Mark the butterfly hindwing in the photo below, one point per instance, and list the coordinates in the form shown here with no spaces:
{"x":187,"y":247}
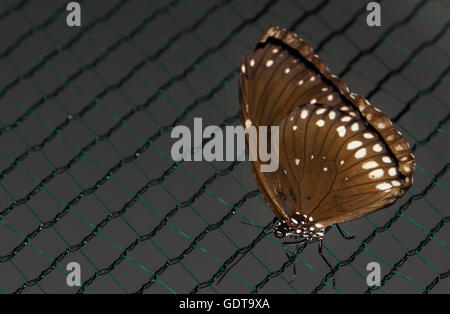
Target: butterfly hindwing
{"x":342,"y":167}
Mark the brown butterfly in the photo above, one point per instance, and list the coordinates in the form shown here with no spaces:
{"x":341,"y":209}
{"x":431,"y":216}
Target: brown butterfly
{"x":340,"y":157}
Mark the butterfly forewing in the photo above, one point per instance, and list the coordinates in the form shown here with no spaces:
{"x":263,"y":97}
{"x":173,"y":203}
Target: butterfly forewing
{"x":340,"y":157}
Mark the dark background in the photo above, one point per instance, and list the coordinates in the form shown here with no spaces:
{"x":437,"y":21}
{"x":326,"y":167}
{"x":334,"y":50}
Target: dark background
{"x":160,"y":63}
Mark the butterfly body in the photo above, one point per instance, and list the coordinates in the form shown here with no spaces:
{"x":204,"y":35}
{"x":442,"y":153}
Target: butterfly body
{"x":340,"y":157}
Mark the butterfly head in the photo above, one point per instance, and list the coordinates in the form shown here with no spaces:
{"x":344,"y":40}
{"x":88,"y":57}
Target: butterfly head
{"x":280,"y":230}
{"x":302,"y":228}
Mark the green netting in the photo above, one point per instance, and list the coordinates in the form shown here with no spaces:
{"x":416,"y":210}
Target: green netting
{"x":86,"y":173}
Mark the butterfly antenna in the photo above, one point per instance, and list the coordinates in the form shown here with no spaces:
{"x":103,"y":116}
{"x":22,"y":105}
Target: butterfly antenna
{"x":291,"y":257}
{"x":257,"y":226}
{"x":252,"y":225}
{"x":234,"y":264}
{"x":326,"y":261}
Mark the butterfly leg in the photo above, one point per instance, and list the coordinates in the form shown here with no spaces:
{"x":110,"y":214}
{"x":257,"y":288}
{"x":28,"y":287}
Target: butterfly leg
{"x":326,"y":261}
{"x":291,"y":258}
{"x":346,"y":237}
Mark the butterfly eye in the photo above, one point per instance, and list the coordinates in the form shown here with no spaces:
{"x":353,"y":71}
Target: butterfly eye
{"x":279,"y":234}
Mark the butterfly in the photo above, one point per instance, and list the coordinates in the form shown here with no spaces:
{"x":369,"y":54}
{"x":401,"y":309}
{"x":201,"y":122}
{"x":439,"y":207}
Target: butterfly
{"x":340,"y":157}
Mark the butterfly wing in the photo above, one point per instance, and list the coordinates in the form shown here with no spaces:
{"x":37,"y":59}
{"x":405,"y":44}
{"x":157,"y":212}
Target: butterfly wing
{"x":340,"y":167}
{"x":276,"y":78}
{"x":283,"y":82}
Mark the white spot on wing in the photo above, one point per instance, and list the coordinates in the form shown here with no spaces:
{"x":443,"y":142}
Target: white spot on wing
{"x":354,"y":144}
{"x":384,"y":186}
{"x":362,"y":152}
{"x":370,"y":164}
{"x":377,"y":148}
{"x":381,"y":125}
{"x":304,"y":114}
{"x":392,"y":172}
{"x":341,"y":130}
{"x":321,"y":110}
{"x":376,"y":174}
